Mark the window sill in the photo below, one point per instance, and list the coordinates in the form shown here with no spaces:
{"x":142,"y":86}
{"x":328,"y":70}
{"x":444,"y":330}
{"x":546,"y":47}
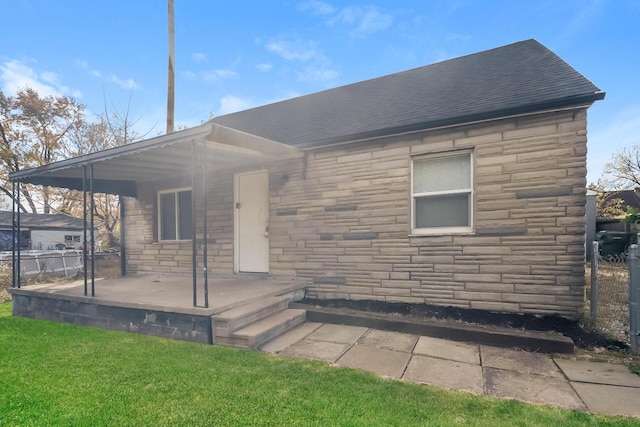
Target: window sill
{"x":448,"y":232}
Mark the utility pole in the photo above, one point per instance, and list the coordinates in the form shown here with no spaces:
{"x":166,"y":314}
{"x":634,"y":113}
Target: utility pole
{"x":171,"y":77}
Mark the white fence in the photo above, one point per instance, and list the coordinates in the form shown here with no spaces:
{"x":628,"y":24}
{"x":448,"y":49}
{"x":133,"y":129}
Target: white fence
{"x":57,"y":263}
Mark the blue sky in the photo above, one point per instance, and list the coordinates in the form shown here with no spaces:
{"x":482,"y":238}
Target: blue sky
{"x":235,"y":55}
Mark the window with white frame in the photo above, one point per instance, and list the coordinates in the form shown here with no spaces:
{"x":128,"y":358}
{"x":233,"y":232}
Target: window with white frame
{"x":442,"y":193}
{"x":175,"y":221}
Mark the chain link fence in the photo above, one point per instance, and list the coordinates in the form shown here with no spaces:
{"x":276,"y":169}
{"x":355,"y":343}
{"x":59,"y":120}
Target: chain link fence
{"x":55,"y":263}
{"x":609,"y":296}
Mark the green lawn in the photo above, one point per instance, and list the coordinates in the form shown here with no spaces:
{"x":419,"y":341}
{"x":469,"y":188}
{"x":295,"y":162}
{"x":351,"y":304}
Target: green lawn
{"x":58,"y":374}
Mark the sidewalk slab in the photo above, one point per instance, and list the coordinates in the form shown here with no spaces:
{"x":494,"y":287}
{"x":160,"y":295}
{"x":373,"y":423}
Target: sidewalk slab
{"x":316,"y":350}
{"x":289,"y":338}
{"x":338,"y":333}
{"x":386,"y":363}
{"x":445,"y":373}
{"x":531,"y":388}
{"x":609,"y":399}
{"x":520,"y":361}
{"x":451,"y":350}
{"x":598,"y":372}
{"x":388,"y":340}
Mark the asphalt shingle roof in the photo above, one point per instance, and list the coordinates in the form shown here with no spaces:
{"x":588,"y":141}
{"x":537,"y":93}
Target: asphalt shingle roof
{"x":41,"y":221}
{"x":518,"y":78}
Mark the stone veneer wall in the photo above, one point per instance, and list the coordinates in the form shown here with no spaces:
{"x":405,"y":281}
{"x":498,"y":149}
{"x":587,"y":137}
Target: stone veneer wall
{"x":147,"y":256}
{"x":346,"y":224}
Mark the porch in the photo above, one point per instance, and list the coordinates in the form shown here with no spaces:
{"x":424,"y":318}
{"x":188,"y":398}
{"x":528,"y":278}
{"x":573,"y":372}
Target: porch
{"x":244,"y":310}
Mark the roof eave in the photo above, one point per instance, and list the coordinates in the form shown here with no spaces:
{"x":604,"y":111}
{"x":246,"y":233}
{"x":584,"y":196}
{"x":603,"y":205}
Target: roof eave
{"x":573,"y":102}
{"x":198,"y":132}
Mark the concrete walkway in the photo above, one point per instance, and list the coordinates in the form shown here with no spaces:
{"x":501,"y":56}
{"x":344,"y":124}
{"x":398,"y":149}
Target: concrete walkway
{"x":504,"y":373}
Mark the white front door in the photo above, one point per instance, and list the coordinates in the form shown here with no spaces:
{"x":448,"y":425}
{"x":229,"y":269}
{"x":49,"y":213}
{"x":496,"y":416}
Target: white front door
{"x":252,"y":222}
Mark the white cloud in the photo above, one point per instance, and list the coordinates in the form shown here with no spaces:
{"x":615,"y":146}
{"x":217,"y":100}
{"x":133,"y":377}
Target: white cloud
{"x":189,"y":74}
{"x":49,"y":77}
{"x":218,"y":74}
{"x":293,"y":49}
{"x":231,"y":104}
{"x":198,"y":57}
{"x":318,"y":66}
{"x":441,"y":55}
{"x":360,"y":21}
{"x":264,"y":67}
{"x":363,"y":20}
{"x":16,"y":75}
{"x":317,"y":7}
{"x":81,"y":63}
{"x":128,"y":84}
{"x":318,"y":74}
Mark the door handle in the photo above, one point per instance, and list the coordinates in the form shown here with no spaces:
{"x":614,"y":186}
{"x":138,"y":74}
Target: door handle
{"x":266,"y":231}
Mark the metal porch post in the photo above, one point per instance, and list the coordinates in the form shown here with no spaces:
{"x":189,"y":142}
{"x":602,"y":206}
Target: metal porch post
{"x":18,"y":240}
{"x":93,"y":242}
{"x":13,"y":235}
{"x":194,"y":253}
{"x":594,"y":284}
{"x":204,"y":223}
{"x":84,"y":225}
{"x":123,"y":261}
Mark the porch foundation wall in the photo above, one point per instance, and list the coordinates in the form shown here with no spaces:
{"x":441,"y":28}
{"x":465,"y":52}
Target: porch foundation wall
{"x":186,"y":327}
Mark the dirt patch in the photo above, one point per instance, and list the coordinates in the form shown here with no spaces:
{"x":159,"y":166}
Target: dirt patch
{"x":582,"y":337}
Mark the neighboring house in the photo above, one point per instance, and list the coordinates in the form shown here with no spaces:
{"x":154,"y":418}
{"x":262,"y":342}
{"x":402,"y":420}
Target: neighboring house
{"x":615,"y":229}
{"x":42,"y":232}
{"x":460,"y":183}
{"x":613,"y":206}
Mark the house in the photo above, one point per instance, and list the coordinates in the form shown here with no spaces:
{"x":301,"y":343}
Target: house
{"x":615,"y":224}
{"x":613,"y":207}
{"x":460,"y":183}
{"x":42,"y":232}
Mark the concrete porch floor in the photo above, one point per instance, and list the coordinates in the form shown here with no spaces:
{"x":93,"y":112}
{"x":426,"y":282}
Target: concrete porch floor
{"x":169,"y":293}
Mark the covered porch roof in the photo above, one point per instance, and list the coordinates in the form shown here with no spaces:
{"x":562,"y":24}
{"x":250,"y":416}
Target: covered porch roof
{"x":118,"y":170}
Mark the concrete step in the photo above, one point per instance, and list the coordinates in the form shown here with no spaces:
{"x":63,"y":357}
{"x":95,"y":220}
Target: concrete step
{"x":261,"y":331}
{"x":225,"y":323}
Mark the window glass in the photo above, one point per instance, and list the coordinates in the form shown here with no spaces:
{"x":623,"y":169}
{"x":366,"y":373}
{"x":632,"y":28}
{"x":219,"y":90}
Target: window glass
{"x":185,"y":215}
{"x":450,"y":210}
{"x":175,"y":215}
{"x":442,"y":192}
{"x":442,"y":174}
{"x":168,"y":216}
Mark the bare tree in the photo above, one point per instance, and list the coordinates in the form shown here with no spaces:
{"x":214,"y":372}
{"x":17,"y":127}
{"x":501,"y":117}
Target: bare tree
{"x":623,"y":171}
{"x":34,"y":132}
{"x":114,"y":128}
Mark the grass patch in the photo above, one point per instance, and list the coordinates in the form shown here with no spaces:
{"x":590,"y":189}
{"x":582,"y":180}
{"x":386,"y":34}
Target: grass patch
{"x":60,"y":374}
